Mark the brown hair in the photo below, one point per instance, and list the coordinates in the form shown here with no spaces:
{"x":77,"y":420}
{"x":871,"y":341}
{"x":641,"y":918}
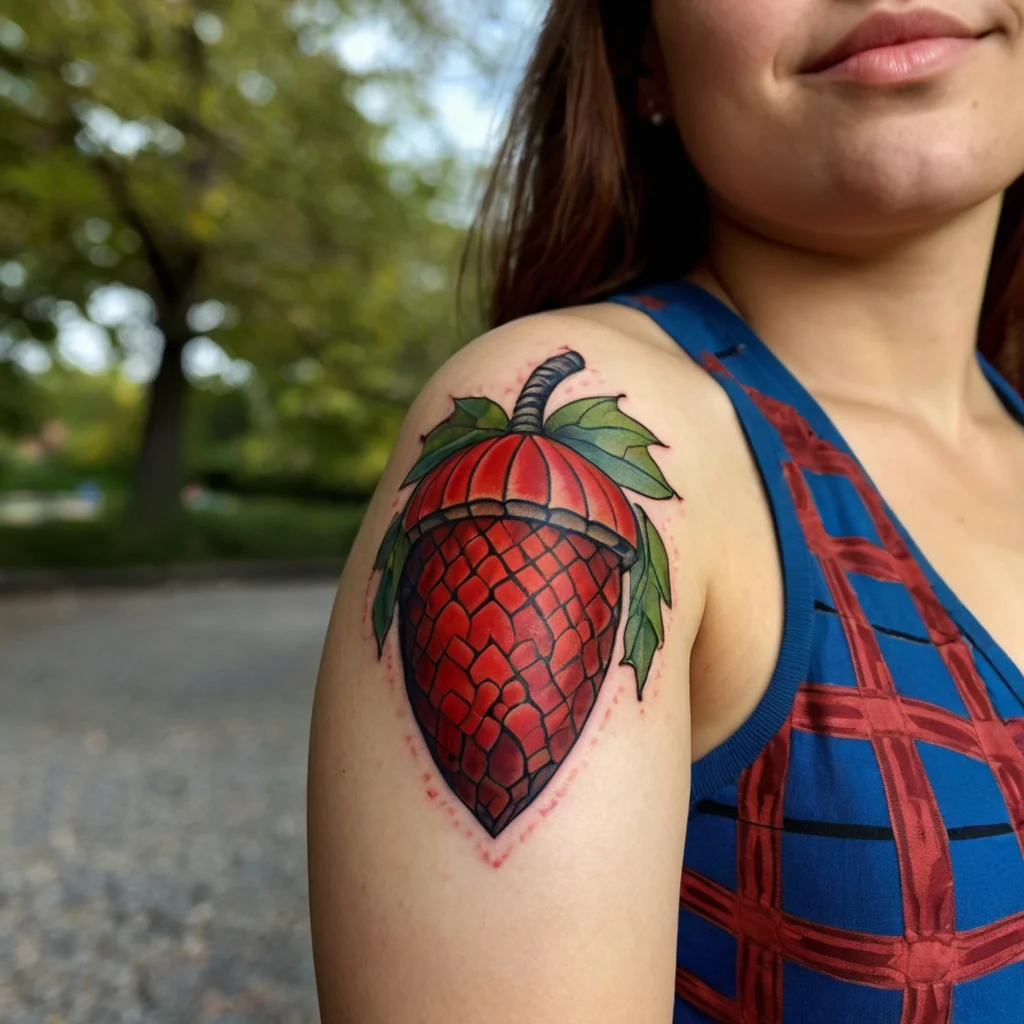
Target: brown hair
{"x":587,"y":197}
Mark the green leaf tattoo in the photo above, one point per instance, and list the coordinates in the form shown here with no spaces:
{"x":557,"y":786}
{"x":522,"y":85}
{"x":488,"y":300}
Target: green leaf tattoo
{"x":604,"y":435}
{"x":390,"y":562}
{"x":598,"y":413}
{"x":649,"y":588}
{"x":390,"y":537}
{"x":474,"y":419}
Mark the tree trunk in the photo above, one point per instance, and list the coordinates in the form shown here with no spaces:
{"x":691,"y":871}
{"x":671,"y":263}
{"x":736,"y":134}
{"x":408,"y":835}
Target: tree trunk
{"x":156,"y":500}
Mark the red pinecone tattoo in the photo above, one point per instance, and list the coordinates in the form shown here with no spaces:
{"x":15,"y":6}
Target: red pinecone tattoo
{"x":507,"y":569}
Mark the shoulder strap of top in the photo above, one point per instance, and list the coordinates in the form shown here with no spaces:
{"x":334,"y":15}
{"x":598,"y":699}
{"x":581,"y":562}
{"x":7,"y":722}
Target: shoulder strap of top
{"x":686,"y":312}
{"x":709,"y":333}
{"x":1006,"y":391}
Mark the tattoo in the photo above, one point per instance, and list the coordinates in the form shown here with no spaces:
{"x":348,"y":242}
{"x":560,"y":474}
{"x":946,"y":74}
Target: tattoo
{"x":506,"y":565}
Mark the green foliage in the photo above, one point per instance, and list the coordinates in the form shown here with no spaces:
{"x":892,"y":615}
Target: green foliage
{"x":474,"y":419}
{"x":102,"y":414}
{"x":603,"y":434}
{"x":214,"y":151}
{"x":256,"y":530}
{"x":24,"y":406}
{"x":649,"y":587}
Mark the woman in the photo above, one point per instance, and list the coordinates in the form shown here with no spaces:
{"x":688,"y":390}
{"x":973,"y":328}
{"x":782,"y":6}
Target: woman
{"x":676,"y":673}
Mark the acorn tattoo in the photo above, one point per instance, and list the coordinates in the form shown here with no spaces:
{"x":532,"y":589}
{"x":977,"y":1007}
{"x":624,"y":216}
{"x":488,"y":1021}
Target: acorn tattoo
{"x":506,"y":565}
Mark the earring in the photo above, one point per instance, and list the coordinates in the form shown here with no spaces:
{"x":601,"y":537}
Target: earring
{"x":657,"y":118}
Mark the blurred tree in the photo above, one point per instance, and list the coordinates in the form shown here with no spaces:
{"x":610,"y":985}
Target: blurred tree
{"x":86,"y":423}
{"x":211,"y":154}
{"x":101,"y":414}
{"x":24,"y":405}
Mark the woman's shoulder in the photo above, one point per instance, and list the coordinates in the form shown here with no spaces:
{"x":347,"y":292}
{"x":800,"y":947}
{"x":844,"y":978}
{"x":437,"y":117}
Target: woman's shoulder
{"x":543,"y":544}
{"x":625,"y":354}
{"x":635,"y":403}
{"x":721,"y":526}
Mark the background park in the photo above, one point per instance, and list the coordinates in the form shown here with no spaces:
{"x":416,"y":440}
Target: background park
{"x":230,"y":235}
{"x":231,"y":238}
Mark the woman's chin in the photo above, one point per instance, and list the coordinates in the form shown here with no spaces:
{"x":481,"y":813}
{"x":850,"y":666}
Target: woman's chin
{"x":890,"y":199}
{"x":861,"y":215}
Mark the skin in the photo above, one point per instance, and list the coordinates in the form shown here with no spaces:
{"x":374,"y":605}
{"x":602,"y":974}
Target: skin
{"x":873,"y":212}
{"x":882,"y":229}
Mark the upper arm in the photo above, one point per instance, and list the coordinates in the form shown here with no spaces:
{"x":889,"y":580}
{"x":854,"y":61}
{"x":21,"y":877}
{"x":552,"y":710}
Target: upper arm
{"x":496,"y":819}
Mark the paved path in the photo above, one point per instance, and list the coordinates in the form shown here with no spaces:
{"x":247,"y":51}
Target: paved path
{"x":152,"y":778}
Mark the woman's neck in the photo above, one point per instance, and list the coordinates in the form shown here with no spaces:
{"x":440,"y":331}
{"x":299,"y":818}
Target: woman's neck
{"x":897,"y":330}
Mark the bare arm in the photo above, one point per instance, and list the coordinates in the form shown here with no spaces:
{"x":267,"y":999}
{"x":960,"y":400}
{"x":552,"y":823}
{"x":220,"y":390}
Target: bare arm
{"x":499,"y":763}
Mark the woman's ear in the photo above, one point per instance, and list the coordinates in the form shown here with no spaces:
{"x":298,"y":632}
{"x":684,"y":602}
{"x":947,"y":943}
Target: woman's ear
{"x":653,"y":96}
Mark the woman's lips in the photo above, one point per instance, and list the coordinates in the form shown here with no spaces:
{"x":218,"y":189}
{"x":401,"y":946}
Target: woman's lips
{"x":902,"y":62}
{"x":886,"y":47}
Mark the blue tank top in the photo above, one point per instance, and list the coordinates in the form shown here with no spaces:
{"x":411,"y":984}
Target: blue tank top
{"x":854,"y":850}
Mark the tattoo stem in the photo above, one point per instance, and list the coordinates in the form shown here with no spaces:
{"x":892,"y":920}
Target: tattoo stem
{"x":528,"y":415}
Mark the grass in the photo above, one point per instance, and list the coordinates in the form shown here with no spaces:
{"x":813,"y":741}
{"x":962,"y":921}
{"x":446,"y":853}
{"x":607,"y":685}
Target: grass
{"x":252,"y":530}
